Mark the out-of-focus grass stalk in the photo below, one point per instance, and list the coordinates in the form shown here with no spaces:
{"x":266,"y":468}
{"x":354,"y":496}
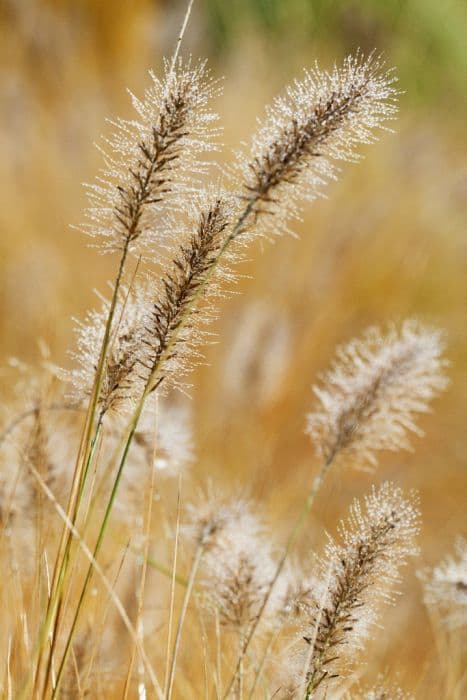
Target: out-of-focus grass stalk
{"x":272,"y":640}
{"x":172,"y":590}
{"x":191,"y":580}
{"x":97,"y":636}
{"x":147,"y":528}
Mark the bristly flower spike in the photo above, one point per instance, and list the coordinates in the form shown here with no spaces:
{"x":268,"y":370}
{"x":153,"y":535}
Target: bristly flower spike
{"x":174,"y":325}
{"x":378,"y":383}
{"x":238,"y":562}
{"x":159,"y":324}
{"x":151,"y":161}
{"x":318,"y":122}
{"x":359,"y":573}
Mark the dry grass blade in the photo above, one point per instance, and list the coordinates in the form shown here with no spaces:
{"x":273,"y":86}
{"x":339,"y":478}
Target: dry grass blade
{"x":107,"y":585}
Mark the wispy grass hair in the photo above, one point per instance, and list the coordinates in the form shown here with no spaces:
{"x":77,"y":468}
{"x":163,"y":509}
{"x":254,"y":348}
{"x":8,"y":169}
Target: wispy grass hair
{"x":152,"y":160}
{"x":319,"y":121}
{"x":378,"y":383}
{"x":357,"y":574}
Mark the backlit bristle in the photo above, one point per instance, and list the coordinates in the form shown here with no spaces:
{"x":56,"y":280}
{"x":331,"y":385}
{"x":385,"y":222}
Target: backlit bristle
{"x":151,"y":160}
{"x":377,"y":385}
{"x":319,"y":121}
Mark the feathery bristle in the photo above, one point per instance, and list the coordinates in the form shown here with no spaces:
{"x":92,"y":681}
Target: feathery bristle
{"x":238,"y":565}
{"x":445,"y":587}
{"x":368,"y":400}
{"x":151,"y":161}
{"x":357,"y":574}
{"x":317,"y":122}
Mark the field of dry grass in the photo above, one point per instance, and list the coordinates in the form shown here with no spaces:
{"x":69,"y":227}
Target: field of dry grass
{"x":387,"y":243}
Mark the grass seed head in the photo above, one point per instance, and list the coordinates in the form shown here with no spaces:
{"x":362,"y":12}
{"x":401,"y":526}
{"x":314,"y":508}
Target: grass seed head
{"x":378,"y":383}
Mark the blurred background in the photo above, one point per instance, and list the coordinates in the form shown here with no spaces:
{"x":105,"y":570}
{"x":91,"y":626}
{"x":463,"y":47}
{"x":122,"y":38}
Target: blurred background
{"x":390,"y":241}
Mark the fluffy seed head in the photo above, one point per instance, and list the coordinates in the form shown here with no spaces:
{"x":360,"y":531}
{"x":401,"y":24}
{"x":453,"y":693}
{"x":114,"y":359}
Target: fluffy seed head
{"x":174,"y":325}
{"x":445,"y":587}
{"x":159,"y":324}
{"x":238,"y":572}
{"x":238,"y":563}
{"x":377,"y":384}
{"x":151,"y":160}
{"x":357,"y":574}
{"x":319,"y":121}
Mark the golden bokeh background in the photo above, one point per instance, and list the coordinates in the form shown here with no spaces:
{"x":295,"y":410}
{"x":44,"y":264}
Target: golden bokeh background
{"x":390,"y":240}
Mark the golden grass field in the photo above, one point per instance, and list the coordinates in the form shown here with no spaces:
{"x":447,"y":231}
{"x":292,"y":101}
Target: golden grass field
{"x":388,"y":242}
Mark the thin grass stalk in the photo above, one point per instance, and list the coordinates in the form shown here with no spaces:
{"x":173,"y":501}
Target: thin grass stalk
{"x":17,"y":592}
{"x":59,"y":605}
{"x":191,"y":580}
{"x":218,"y":655}
{"x":62,"y":603}
{"x":310,"y":685}
{"x":181,"y":35}
{"x":97,"y":637}
{"x":143,"y":575}
{"x":207,"y":662}
{"x":241,"y":669}
{"x":181,"y":580}
{"x":96,"y":551}
{"x":76,"y":670}
{"x":272,"y":640}
{"x":9,"y":682}
{"x":107,"y":585}
{"x":172,"y":590}
{"x":77,"y":488}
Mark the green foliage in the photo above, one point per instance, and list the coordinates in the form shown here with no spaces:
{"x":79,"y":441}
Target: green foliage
{"x":425,"y":38}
